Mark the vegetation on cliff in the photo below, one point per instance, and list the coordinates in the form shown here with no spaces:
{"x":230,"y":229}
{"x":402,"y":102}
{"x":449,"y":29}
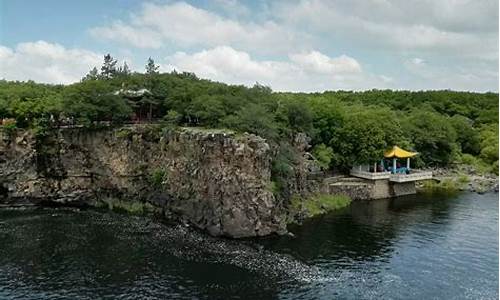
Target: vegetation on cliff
{"x":315,"y":205}
{"x":345,"y":127}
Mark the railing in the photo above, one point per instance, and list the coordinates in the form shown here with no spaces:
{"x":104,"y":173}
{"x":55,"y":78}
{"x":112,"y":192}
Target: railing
{"x":414,"y":176}
{"x":370,"y":175}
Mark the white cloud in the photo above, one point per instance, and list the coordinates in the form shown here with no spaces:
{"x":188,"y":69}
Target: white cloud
{"x":185,"y":25}
{"x":417,"y":61}
{"x":318,"y":62}
{"x":46,"y":62}
{"x":311,"y":71}
{"x":446,"y":27}
{"x":478,"y":76}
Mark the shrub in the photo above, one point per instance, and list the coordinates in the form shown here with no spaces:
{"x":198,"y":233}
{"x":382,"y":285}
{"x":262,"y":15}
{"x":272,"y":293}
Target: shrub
{"x":158,"y":177}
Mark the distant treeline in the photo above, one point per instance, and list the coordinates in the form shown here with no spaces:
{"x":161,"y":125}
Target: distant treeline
{"x":345,"y":128}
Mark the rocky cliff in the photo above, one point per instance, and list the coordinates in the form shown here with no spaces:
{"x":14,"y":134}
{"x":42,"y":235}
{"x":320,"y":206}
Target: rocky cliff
{"x":217,"y":181}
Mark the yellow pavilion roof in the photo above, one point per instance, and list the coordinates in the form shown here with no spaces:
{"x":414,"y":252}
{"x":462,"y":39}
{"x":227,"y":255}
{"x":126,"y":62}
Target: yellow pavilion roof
{"x":399,"y":153}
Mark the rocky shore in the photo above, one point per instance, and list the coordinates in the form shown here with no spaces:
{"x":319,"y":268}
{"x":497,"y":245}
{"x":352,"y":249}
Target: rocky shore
{"x":463,"y":178}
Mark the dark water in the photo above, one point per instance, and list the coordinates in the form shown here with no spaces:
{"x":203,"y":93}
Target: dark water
{"x":420,"y":247}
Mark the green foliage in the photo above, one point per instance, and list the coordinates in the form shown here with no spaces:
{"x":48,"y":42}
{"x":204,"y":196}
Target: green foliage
{"x":318,"y":204}
{"x":364,"y":136}
{"x":357,"y":126}
{"x":273,"y":187}
{"x":93,"y":100}
{"x":323,"y":155}
{"x":151,"y":67}
{"x":282,"y":167}
{"x":254,"y":118}
{"x":158,"y":177}
{"x":108,"y":69}
{"x":447,"y":185}
{"x":172,"y":118}
{"x":477,"y":163}
{"x":124,"y":133}
{"x":295,"y":116}
{"x":432,"y":135}
{"x":9,"y":129}
{"x":489,"y":144}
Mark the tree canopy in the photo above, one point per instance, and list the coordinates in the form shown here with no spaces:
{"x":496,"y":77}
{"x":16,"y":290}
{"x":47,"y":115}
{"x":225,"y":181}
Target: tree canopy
{"x":345,"y":127}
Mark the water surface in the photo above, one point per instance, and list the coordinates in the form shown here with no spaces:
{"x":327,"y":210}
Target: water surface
{"x":419,"y":247}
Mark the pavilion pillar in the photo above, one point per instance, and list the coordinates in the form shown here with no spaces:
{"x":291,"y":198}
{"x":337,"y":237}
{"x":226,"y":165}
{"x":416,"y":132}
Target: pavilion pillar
{"x":408,"y":163}
{"x":375,"y":168}
{"x":393,"y":165}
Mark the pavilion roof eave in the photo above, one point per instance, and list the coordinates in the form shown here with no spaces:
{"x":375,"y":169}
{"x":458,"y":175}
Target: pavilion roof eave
{"x":398,"y":153}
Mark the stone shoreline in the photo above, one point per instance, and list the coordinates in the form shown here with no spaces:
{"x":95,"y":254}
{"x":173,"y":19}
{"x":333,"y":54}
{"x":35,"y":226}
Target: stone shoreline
{"x":466,"y":178}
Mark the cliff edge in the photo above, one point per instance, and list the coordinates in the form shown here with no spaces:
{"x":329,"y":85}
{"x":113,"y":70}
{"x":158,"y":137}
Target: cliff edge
{"x":217,"y":181}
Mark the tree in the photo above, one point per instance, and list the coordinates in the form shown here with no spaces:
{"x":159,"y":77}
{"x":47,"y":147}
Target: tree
{"x":123,"y":70}
{"x":365,"y":135}
{"x":295,"y":116}
{"x":489,"y":144}
{"x":92,"y":75}
{"x":207,"y":110}
{"x":151,"y":67}
{"x":151,"y":83}
{"x":323,"y":154}
{"x":328,"y":117}
{"x":433,"y":136}
{"x":253,"y":118}
{"x":94,"y":100}
{"x":108,"y":69}
{"x":467,"y":136}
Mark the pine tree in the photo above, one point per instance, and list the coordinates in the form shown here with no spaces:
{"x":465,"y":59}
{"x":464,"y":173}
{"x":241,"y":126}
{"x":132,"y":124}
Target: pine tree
{"x":151,"y":72}
{"x":124,"y":70}
{"x":91,"y":75}
{"x":108,"y":69}
{"x":151,"y":67}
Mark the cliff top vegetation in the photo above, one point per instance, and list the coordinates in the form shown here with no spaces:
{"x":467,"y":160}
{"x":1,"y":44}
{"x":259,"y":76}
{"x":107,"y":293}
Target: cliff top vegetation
{"x":345,"y":127}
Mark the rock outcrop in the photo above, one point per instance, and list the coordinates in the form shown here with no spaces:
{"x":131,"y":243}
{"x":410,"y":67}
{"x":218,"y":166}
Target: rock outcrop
{"x":214,"y":180}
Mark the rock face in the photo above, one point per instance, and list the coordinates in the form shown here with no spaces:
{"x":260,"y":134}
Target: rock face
{"x":216,"y":181}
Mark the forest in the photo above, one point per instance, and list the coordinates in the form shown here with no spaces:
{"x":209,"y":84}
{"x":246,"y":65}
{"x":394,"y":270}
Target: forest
{"x":345,"y":127}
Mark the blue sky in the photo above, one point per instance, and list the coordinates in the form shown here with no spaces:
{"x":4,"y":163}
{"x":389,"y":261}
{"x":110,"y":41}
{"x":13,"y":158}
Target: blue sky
{"x":303,"y":45}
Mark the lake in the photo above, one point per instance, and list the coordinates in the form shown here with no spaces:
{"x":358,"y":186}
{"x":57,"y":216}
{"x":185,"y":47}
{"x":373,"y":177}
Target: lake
{"x":418,"y":247}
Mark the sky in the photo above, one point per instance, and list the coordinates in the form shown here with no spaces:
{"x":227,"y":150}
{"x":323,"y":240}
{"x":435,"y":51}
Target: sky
{"x":302,"y":45}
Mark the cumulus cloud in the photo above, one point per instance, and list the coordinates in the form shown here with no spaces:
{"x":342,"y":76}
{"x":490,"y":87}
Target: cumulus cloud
{"x":456,"y":27}
{"x":311,"y":71}
{"x":318,"y":62}
{"x":46,"y":62}
{"x":185,"y":25}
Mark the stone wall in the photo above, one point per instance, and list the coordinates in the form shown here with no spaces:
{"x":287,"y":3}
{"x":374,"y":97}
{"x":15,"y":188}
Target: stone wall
{"x":404,"y":188}
{"x":364,"y":189}
{"x":214,"y":180}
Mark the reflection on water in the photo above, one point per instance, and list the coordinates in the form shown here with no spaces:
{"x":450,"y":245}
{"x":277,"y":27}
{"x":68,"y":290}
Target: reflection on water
{"x":416,"y":247}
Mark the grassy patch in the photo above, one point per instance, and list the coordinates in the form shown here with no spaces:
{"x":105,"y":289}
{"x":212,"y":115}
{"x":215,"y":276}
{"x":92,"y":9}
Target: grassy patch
{"x":446,"y":185}
{"x":316,"y":205}
{"x":124,"y":133}
{"x":208,"y":130}
{"x":323,"y":203}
